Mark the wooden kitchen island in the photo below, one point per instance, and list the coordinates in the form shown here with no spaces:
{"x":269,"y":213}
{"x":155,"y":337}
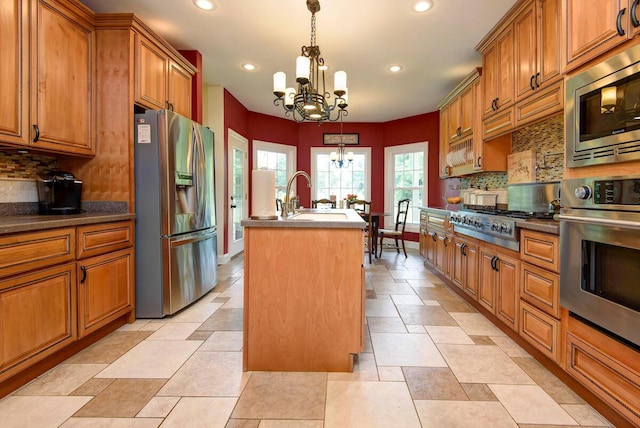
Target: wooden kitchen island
{"x":304,"y":292}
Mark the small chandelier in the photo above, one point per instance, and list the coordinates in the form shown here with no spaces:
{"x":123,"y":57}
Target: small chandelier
{"x":310,"y":102}
{"x":340,"y":159}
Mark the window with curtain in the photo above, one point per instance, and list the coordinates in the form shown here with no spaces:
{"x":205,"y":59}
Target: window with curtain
{"x":328,"y":180}
{"x":405,"y":177}
{"x":278,"y":157}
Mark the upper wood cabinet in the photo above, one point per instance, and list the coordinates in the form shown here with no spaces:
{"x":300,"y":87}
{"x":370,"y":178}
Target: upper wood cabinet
{"x":47,"y":65}
{"x":497,"y":68}
{"x":594,"y":27}
{"x":537,"y":47}
{"x":160,"y":82}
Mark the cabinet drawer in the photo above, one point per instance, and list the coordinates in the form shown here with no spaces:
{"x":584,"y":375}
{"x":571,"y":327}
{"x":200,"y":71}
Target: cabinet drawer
{"x":37,"y":316}
{"x":29,"y":251}
{"x":540,"y":105}
{"x":437,"y":220}
{"x":540,"y":249}
{"x":498,"y":124}
{"x":98,"y":239}
{"x":540,"y":329}
{"x":616,"y":383}
{"x":540,"y":288}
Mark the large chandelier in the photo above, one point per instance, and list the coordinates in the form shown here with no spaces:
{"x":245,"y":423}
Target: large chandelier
{"x":311,"y":102}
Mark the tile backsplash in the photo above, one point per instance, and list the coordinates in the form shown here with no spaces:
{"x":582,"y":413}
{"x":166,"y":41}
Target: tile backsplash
{"x":546,"y":138}
{"x":24,"y":165}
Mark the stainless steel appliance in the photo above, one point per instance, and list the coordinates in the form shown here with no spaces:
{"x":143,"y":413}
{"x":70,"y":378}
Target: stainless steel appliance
{"x":498,"y":226}
{"x":176,"y":231}
{"x":602,"y":110}
{"x":600,"y":253}
{"x":59,"y":192}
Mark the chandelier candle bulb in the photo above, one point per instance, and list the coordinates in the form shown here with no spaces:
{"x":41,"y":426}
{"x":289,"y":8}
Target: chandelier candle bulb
{"x":279,"y":83}
{"x":340,"y":82}
{"x":350,"y":156}
{"x":302,"y":70}
{"x":289,"y":97}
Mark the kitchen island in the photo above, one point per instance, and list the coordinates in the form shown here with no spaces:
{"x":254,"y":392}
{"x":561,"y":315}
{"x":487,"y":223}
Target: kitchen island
{"x":304,"y":291}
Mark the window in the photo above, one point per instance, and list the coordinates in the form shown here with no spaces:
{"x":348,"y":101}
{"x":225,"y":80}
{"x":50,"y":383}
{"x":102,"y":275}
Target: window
{"x":279,"y":157}
{"x":405,"y":177}
{"x":328,"y":180}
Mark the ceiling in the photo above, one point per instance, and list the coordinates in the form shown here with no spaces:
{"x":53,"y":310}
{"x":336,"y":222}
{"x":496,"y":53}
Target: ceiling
{"x":363,"y":37}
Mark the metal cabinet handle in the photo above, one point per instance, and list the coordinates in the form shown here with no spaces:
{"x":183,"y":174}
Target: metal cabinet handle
{"x":493,"y":262}
{"x":478,"y":162}
{"x":169,"y":105}
{"x":533,"y":88}
{"x":497,"y":103}
{"x":434,"y":237}
{"x":445,"y":241}
{"x":37,"y":133}
{"x":462,"y":247}
{"x":459,"y":131}
{"x":493,"y":104}
{"x":84,"y":274}
{"x":619,"y":21}
{"x":538,"y":80}
{"x":632,"y":12}
{"x":447,"y":170}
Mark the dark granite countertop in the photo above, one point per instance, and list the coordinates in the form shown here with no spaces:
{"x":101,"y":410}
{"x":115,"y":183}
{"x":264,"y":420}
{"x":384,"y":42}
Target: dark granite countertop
{"x":352,"y":220}
{"x":25,"y":223}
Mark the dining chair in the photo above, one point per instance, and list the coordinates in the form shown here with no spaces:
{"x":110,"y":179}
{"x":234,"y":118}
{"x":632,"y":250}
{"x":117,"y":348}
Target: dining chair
{"x":364,"y":209}
{"x":398,"y":232}
{"x":314,"y":204}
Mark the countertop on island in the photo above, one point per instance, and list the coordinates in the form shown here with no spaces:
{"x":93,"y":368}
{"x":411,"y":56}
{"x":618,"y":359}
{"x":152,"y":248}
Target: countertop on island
{"x":25,"y":223}
{"x":352,"y":221}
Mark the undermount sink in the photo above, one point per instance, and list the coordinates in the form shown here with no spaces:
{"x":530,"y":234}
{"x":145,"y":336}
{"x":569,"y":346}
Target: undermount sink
{"x":319,"y":216}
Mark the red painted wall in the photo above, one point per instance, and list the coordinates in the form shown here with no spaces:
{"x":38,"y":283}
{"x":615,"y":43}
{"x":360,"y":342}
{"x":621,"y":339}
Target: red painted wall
{"x":195,"y":58}
{"x":256,"y":126}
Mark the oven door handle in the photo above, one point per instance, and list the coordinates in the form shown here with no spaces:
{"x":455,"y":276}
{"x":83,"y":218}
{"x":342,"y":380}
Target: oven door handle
{"x":603,"y":221}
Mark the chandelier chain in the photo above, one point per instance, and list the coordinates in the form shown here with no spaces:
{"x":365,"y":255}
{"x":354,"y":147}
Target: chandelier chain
{"x":313,"y":29}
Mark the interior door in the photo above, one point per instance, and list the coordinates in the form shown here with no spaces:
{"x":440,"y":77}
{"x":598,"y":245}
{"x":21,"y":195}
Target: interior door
{"x":238,"y":190}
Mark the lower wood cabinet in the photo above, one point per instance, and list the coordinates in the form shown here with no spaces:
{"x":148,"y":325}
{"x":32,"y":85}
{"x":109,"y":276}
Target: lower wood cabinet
{"x":37,"y":316}
{"x":498,"y":278}
{"x":105,"y":289}
{"x":541,"y":330}
{"x":464,"y":266}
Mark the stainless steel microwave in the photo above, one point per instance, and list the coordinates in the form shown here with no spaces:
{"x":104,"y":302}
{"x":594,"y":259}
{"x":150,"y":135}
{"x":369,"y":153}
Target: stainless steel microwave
{"x":602,"y":108}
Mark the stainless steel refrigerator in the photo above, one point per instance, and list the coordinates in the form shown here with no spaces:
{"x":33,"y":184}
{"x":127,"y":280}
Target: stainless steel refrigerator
{"x":176,"y":231}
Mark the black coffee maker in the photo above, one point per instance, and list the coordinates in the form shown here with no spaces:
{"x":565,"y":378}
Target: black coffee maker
{"x":59,"y":193}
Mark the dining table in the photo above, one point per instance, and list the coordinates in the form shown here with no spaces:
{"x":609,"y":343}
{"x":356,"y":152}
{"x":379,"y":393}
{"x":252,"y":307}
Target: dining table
{"x":375,"y":226}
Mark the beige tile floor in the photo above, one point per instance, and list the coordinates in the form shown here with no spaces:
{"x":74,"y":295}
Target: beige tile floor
{"x":431,"y":360}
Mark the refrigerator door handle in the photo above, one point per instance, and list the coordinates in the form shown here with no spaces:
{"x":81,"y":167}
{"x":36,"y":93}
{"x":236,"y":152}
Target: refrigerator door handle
{"x":191,"y":238}
{"x":199,"y":172}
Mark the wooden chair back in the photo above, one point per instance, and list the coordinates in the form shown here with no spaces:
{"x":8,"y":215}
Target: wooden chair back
{"x":314,"y":203}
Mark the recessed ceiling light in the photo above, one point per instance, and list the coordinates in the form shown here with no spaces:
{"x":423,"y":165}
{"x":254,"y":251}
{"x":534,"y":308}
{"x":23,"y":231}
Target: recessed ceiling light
{"x":423,"y":6}
{"x":395,"y":68}
{"x":204,"y":4}
{"x":248,"y":67}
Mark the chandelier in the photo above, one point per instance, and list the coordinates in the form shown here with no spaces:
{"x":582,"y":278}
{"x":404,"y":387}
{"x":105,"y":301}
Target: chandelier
{"x":311,"y":102}
{"x":340,"y":159}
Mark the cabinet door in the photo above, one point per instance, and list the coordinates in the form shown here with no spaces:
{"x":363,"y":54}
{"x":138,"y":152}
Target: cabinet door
{"x":505,"y":66}
{"x":150,"y":74}
{"x":445,"y":170}
{"x":62,"y":82}
{"x":179,"y":89}
{"x":37,"y":316}
{"x":471,"y":270}
{"x":507,"y":294}
{"x":457,"y":263}
{"x":525,"y":38}
{"x":105,"y":287}
{"x":14,"y":72}
{"x":486,"y":279}
{"x":549,"y":26}
{"x":453,"y":126}
{"x":466,"y":111}
{"x":440,"y":257}
{"x":430,"y":244}
{"x":490,"y":76}
{"x":591,"y":29}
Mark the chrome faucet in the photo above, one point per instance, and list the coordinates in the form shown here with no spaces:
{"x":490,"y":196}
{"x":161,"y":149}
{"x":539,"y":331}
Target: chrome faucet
{"x":289,"y":207}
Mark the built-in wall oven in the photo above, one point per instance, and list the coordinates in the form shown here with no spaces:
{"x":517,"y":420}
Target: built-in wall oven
{"x":600,"y":253}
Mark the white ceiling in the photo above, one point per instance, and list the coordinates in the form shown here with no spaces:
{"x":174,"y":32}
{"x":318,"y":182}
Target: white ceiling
{"x":362,"y":37}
